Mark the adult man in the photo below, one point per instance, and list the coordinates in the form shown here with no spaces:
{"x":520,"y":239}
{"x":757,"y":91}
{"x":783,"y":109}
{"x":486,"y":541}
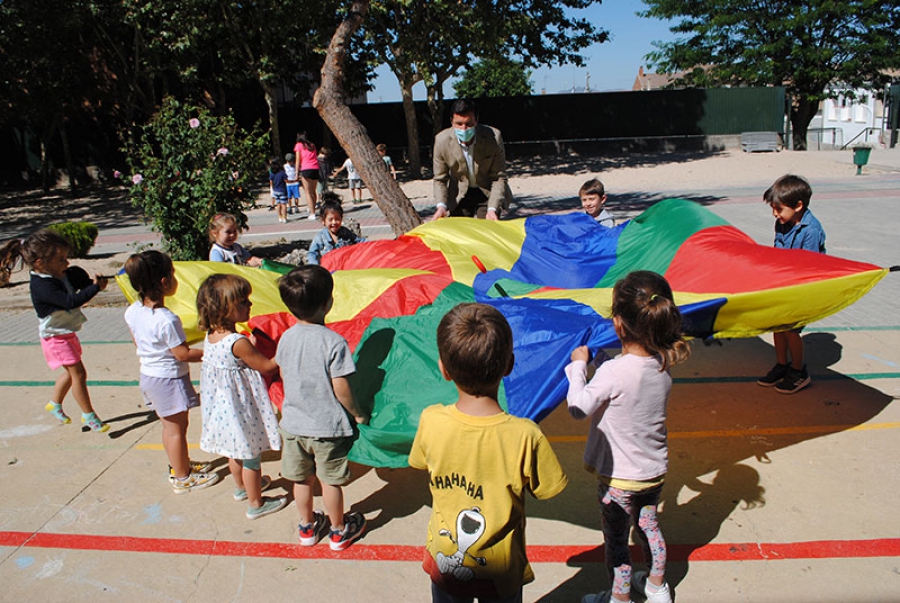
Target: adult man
{"x":473,"y":155}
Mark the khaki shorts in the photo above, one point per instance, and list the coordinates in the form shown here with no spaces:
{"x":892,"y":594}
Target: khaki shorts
{"x":303,"y":456}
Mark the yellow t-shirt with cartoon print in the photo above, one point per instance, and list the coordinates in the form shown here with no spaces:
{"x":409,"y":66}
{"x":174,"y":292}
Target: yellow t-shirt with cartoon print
{"x":479,"y":470}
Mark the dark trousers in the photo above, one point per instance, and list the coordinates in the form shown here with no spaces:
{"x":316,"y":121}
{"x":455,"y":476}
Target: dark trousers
{"x":473,"y":205}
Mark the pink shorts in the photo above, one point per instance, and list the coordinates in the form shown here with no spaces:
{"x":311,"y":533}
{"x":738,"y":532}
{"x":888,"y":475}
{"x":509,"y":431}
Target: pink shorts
{"x":61,"y":350}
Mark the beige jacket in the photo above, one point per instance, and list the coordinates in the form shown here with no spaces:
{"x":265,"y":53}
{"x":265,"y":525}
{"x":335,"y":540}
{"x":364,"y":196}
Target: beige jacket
{"x":451,"y":178}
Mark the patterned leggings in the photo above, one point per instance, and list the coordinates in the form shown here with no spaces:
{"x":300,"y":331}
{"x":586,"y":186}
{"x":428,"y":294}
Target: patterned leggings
{"x":621,"y":508}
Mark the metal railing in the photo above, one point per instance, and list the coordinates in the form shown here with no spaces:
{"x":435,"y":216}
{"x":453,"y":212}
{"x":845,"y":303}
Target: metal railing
{"x":820,"y":136}
{"x":876,"y":132}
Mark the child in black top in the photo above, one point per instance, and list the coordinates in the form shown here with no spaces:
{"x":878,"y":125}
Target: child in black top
{"x":58,"y":291}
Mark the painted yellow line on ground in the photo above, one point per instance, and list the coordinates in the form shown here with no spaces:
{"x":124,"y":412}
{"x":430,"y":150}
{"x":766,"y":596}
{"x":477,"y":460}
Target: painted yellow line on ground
{"x":742,"y":433}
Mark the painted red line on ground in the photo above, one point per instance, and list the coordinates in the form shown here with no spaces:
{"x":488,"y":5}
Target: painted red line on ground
{"x":816,"y":549}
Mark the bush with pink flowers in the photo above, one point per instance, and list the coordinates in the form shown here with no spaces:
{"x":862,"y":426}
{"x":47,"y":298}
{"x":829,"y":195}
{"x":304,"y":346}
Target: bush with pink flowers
{"x":188,"y":165}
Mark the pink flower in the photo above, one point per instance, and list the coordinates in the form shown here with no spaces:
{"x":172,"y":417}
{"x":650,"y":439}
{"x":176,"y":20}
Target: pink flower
{"x":117,"y":174}
{"x":194,"y":123}
{"x":137,"y":179}
{"x":235,"y":175}
{"x":222,"y":151}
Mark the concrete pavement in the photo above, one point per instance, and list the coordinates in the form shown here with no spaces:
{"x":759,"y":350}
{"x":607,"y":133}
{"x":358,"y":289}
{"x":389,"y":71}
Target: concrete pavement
{"x":769,"y":497}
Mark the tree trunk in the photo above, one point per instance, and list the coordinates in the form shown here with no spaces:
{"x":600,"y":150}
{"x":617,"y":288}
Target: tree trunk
{"x":46,"y":137}
{"x":70,"y":164}
{"x":329,"y":101}
{"x":803,"y":110}
{"x":436,"y":105}
{"x":272,"y":104}
{"x":412,"y":130}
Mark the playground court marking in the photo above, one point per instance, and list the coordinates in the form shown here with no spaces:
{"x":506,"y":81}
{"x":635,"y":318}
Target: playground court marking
{"x":745,"y":551}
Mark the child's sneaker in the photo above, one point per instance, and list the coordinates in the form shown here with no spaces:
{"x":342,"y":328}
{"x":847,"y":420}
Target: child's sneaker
{"x":193,"y":467}
{"x":310,"y":533}
{"x":776,"y":374}
{"x":195,"y":481}
{"x":56,"y":410}
{"x":269,"y":505}
{"x":354,"y":526}
{"x":659,"y":594}
{"x":240,"y":494}
{"x":94,"y":422}
{"x":793,"y":381}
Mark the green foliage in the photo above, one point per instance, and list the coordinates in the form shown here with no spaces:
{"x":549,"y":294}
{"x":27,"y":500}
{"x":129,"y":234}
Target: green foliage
{"x":494,"y":77}
{"x":80,"y":235}
{"x":804,"y":46}
{"x":190,"y":165}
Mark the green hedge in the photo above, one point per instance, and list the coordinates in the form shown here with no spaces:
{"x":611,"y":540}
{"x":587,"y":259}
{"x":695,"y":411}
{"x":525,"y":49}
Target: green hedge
{"x":80,"y":235}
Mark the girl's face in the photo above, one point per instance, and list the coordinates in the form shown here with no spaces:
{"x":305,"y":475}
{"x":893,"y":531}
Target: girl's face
{"x":55,"y":265}
{"x":333,"y":221}
{"x":241,"y":311}
{"x":170,"y":285}
{"x":227,"y":234}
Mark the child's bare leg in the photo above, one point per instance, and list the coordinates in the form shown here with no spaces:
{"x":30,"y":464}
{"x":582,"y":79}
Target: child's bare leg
{"x":61,"y":387}
{"x":303,"y":496}
{"x":175,"y":442}
{"x":795,"y":345}
{"x":236,"y":468}
{"x":252,"y":475}
{"x":78,"y":377}
{"x":333,"y":496}
{"x":781,"y":347}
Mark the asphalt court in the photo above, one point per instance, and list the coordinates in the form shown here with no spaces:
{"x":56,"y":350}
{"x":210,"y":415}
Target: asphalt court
{"x":768,"y":497}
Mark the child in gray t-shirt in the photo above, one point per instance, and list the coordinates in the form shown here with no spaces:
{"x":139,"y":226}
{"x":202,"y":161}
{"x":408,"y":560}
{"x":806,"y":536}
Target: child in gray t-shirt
{"x":319,"y":413}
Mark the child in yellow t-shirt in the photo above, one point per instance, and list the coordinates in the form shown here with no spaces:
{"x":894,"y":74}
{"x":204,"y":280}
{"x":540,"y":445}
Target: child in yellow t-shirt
{"x":480,"y":461}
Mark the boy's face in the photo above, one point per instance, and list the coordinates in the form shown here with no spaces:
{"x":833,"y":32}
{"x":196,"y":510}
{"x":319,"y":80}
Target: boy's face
{"x":787,"y":215}
{"x":592,"y":203}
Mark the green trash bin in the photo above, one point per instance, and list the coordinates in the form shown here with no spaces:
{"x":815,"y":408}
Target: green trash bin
{"x":861,"y":157}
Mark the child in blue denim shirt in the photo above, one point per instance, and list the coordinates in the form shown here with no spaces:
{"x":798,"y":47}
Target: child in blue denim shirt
{"x":335,"y":235}
{"x":795,"y":228}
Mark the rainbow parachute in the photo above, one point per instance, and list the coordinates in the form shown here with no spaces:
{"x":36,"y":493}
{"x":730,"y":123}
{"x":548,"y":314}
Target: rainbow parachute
{"x":552,"y":277}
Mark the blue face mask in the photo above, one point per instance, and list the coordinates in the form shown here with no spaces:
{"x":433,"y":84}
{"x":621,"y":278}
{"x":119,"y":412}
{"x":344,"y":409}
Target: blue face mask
{"x":465,"y":136}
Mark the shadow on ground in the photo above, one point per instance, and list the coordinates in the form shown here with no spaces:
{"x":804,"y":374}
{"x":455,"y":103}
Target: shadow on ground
{"x":24,"y":211}
{"x":621,"y":205}
{"x":720,"y":424}
{"x":572,"y":162}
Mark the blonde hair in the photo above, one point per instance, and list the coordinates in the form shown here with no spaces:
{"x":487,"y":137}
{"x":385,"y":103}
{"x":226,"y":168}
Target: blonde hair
{"x":218,"y":222}
{"x":217,"y":298}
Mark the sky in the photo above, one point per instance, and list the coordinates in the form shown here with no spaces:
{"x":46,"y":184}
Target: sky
{"x":612,"y":65}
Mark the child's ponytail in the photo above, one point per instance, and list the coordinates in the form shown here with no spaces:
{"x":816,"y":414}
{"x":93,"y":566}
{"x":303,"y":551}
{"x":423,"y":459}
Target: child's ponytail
{"x":648,"y":316}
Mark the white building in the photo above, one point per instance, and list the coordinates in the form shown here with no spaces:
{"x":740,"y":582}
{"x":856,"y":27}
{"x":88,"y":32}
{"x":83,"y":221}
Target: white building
{"x":851,"y":118}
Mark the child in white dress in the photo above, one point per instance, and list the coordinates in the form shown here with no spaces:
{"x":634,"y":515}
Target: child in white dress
{"x":238,"y":419}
